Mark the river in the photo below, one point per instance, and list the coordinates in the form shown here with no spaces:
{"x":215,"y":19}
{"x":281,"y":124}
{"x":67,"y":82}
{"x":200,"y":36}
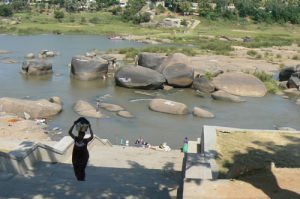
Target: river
{"x":154,"y":127}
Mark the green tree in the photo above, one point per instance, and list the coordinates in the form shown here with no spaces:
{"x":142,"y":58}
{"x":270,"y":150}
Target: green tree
{"x":6,"y":11}
{"x":72,"y":5}
{"x":19,"y":5}
{"x":185,"y":6}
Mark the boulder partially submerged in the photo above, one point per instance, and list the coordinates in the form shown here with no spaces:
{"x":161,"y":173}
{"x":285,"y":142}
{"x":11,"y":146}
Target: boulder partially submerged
{"x":125,"y":114}
{"x":200,"y":112}
{"x":224,"y":96}
{"x":241,"y":84}
{"x":177,"y":70}
{"x":168,"y":106}
{"x":202,"y":84}
{"x":139,"y":77}
{"x":42,"y":108}
{"x":88,"y":68}
{"x":86,"y":109}
{"x":111,"y":107}
{"x":36,"y":67}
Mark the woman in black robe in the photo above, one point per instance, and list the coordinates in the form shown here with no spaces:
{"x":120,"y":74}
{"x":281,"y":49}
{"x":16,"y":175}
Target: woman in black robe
{"x":80,"y":155}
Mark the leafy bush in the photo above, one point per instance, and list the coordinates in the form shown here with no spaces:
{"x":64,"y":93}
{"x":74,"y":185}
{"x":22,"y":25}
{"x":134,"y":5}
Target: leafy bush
{"x":116,"y":11}
{"x":141,"y":18}
{"x":251,"y":53}
{"x":6,"y":11}
{"x":59,"y":14}
{"x":296,"y":57}
{"x":95,"y":20}
{"x":82,"y":20}
{"x":184,"y":23}
{"x":160,"y":9}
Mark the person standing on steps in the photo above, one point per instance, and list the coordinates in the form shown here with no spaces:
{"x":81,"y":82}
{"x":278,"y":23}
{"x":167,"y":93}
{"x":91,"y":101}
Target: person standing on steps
{"x":80,"y":155}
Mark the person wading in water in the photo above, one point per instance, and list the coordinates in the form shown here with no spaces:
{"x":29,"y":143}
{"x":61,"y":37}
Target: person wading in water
{"x":80,"y":155}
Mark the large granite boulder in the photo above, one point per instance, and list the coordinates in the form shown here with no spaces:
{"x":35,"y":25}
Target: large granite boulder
{"x":202,"y":84}
{"x":224,"y":96}
{"x":139,"y":77}
{"x":177,"y":70}
{"x":35,"y":108}
{"x":287,"y":72}
{"x":240,"y":84}
{"x":293,"y":82}
{"x":88,"y":68}
{"x":150,"y":60}
{"x":167,"y":106}
{"x":36,"y":67}
{"x":86,"y":109}
{"x":200,"y":112}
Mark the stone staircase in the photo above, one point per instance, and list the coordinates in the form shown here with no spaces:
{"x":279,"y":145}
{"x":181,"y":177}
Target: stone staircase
{"x":25,"y":155}
{"x":112,"y":172}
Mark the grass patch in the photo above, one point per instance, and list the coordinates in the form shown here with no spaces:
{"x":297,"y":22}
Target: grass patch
{"x":269,"y":81}
{"x":251,"y":53}
{"x":243,"y":152}
{"x":130,"y":53}
{"x":296,"y":57}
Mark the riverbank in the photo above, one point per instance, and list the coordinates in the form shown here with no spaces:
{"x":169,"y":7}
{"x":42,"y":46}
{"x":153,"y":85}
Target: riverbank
{"x":216,"y":37}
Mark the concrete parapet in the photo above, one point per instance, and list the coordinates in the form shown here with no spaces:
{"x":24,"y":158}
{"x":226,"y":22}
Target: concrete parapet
{"x":21,"y":160}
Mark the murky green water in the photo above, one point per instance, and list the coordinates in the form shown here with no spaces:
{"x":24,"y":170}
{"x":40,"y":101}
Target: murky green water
{"x":154,"y":127}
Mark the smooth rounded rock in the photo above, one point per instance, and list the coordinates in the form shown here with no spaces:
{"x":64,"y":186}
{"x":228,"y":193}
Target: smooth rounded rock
{"x":111,"y":107}
{"x":199,"y":112}
{"x":202,"y":84}
{"x":177,"y":70}
{"x":168,"y":106}
{"x":139,"y":77}
{"x":241,"y":84}
{"x":35,"y":108}
{"x":125,"y":114}
{"x":150,"y":60}
{"x":88,"y":68}
{"x":224,"y":96}
{"x":36,"y":67}
{"x":86,"y":109}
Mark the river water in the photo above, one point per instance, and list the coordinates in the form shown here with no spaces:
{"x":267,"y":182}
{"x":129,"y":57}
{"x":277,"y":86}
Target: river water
{"x":154,"y":127}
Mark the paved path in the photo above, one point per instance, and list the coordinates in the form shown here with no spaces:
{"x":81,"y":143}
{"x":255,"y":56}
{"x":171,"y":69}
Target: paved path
{"x":113,"y":172}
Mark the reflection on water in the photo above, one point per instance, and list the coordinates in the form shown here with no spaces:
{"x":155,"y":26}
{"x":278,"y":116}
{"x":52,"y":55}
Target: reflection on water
{"x":154,"y":127}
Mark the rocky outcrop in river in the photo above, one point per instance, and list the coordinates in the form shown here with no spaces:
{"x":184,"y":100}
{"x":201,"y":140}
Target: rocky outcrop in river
{"x":36,"y":67}
{"x":138,"y":77}
{"x":202,"y":84}
{"x":88,"y":68}
{"x":35,"y":108}
{"x":241,"y":84}
{"x":177,"y":70}
{"x":150,"y":60}
{"x":287,"y":72}
{"x":168,"y":106}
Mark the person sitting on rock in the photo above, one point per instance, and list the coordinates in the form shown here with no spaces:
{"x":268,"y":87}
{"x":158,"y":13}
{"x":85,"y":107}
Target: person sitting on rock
{"x":80,"y":155}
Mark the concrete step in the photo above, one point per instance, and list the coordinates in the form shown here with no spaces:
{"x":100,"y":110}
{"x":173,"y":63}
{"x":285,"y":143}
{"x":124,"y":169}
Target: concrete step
{"x":197,"y":167}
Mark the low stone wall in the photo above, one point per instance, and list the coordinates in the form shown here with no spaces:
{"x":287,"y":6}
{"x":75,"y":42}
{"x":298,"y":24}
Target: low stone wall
{"x":23,"y":159}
